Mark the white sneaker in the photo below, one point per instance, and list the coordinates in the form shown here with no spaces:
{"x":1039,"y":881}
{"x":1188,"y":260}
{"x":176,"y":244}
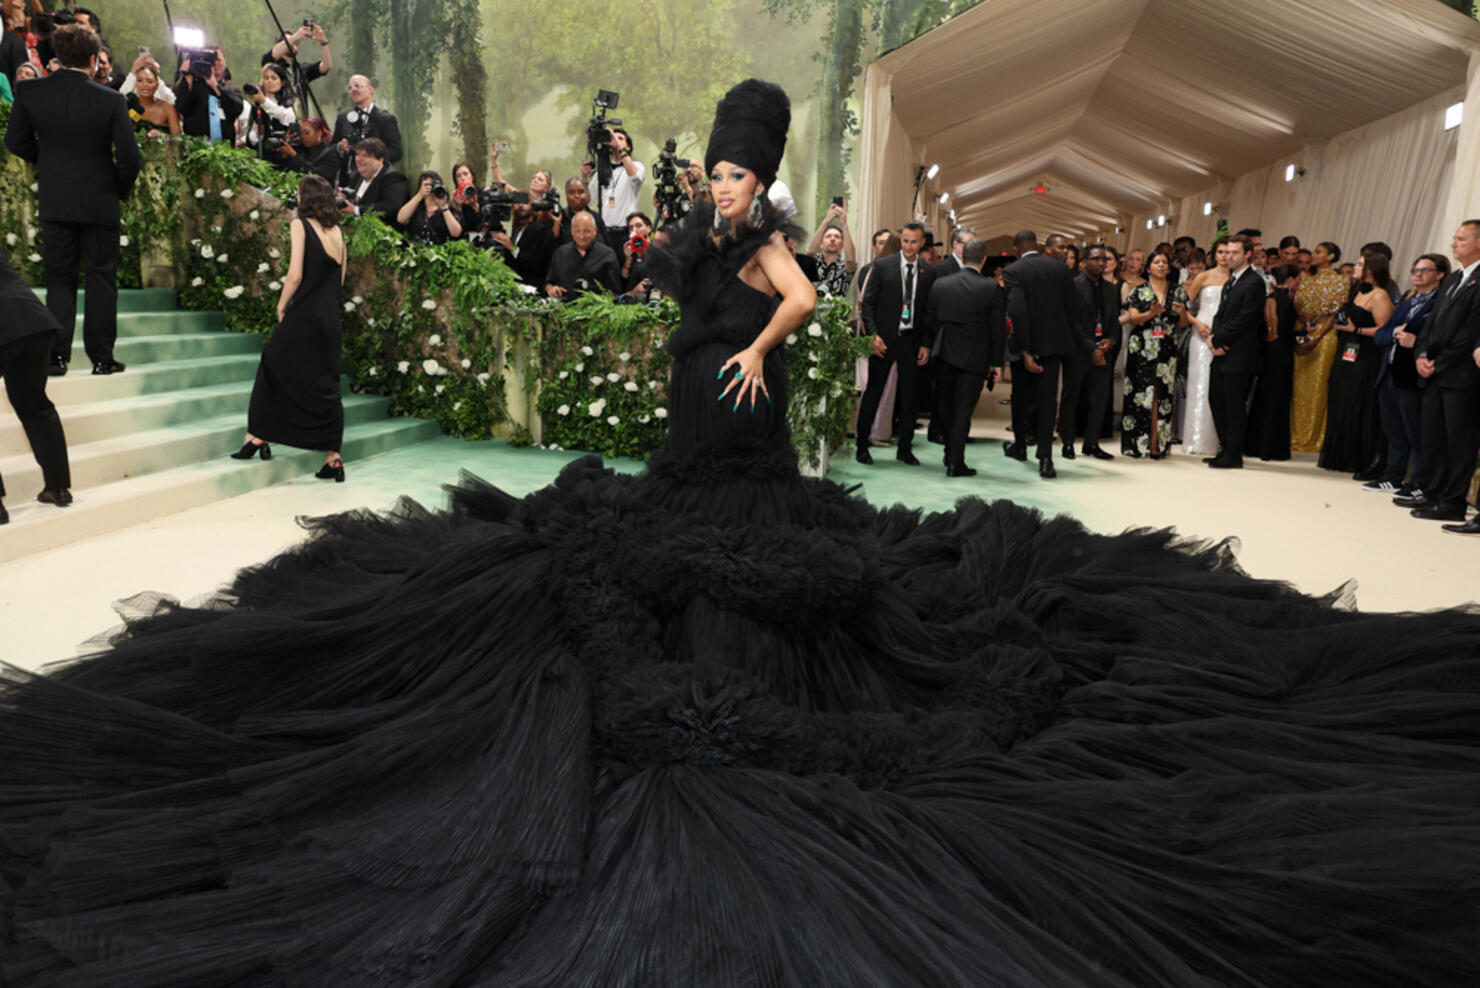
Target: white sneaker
{"x":1380,"y":487}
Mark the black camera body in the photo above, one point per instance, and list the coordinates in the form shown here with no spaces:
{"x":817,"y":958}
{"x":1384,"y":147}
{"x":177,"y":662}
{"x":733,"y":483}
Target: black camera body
{"x":599,"y":130}
{"x":671,"y":203}
{"x":199,"y":62}
{"x":439,"y":190}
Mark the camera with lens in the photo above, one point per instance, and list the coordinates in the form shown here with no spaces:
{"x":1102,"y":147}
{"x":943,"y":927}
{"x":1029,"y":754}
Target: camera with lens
{"x":599,"y":126}
{"x":250,"y":89}
{"x":439,"y":190}
{"x":671,"y":203}
{"x":199,"y":62}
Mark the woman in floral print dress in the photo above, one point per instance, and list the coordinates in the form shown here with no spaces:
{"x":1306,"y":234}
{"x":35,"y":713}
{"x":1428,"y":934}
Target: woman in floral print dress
{"x":1156,"y":309}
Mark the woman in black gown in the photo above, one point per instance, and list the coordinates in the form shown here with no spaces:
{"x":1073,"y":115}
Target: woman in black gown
{"x":717,"y":724}
{"x":1354,"y":442}
{"x":1269,"y":412}
{"x":296,"y":399}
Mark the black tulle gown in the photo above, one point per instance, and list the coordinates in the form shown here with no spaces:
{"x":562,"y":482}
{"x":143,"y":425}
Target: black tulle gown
{"x":720,"y":725}
{"x":1354,"y":440}
{"x":1269,"y":411}
{"x":296,"y":399}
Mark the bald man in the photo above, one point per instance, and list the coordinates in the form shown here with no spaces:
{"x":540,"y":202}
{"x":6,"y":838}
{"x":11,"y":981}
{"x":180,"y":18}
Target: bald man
{"x":364,"y":120}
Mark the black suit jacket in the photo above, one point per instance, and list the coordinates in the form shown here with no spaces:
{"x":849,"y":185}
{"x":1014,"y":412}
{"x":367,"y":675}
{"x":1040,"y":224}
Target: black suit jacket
{"x":79,"y":135}
{"x":536,"y":243}
{"x":598,"y":269}
{"x":381,"y":124}
{"x":1238,"y":325}
{"x":966,"y":321}
{"x":948,"y":267}
{"x":1099,"y":303}
{"x":386,"y":194}
{"x":193,"y":101}
{"x":21,"y":312}
{"x":883,"y":300}
{"x":12,"y":54}
{"x":1043,"y":306}
{"x":1452,"y":333}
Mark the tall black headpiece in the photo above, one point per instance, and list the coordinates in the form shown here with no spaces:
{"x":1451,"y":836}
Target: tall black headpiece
{"x":750,"y":129}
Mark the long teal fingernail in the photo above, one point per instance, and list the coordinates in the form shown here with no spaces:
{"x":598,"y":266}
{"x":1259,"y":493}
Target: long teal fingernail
{"x":720,"y":374}
{"x":721,"y":396}
{"x":752,"y":408}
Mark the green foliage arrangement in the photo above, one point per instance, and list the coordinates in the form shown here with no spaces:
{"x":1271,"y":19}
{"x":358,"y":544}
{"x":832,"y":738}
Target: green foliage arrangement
{"x":446,"y":332}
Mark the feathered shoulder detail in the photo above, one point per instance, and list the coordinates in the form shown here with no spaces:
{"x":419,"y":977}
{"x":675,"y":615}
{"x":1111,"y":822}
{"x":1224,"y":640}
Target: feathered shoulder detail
{"x":673,"y":265}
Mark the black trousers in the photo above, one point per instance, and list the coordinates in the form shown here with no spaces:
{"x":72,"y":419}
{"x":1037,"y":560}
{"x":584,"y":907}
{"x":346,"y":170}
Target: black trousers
{"x":957,"y":392}
{"x":1035,"y":401}
{"x":1229,"y":396}
{"x":23,"y":365}
{"x":1451,"y":438}
{"x":1089,"y":386}
{"x":66,"y":246}
{"x":903,"y":354}
{"x":1402,"y":417}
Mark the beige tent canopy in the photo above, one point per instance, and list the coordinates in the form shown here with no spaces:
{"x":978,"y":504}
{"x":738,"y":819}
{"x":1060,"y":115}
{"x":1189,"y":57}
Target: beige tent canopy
{"x":1133,"y":110}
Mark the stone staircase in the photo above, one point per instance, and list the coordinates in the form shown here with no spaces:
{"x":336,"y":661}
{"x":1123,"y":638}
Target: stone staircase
{"x":152,"y":441}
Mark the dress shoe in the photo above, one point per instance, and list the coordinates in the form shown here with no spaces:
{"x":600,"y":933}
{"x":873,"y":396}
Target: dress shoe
{"x":1440,"y":512}
{"x":1134,"y":454}
{"x":960,"y":471}
{"x":904,"y":455}
{"x":1098,"y":453}
{"x":1471,"y":527}
{"x":1015,"y":451}
{"x":1209,"y":459}
{"x":1227,"y":463}
{"x":863,"y":456}
{"x":935,"y":437}
{"x":1415,"y":500}
{"x":4,"y":515}
{"x":109,"y":366}
{"x":61,"y":497}
{"x":1046,"y":470}
{"x":332,"y":470}
{"x":1068,"y":451}
{"x":57,"y":367}
{"x":250,"y":449}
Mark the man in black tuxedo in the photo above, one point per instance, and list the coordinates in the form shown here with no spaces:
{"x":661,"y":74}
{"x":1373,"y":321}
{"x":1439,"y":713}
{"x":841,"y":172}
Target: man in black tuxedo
{"x":1090,"y":370}
{"x":1044,"y":309}
{"x":381,"y":188}
{"x":966,"y":326}
{"x":209,"y":107}
{"x":1448,"y":361}
{"x":894,"y":309}
{"x":1238,"y":328}
{"x":528,"y":247}
{"x":953,"y":261}
{"x":81,"y":140}
{"x":27,"y":331}
{"x":363,"y":121}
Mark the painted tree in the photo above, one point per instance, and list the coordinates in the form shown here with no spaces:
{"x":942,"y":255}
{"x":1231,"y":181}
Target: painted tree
{"x":470,"y":80}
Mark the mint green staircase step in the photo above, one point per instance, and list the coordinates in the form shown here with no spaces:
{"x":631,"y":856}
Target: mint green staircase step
{"x":80,"y":385}
{"x":99,"y":420}
{"x":132,"y":299}
{"x":132,"y":350}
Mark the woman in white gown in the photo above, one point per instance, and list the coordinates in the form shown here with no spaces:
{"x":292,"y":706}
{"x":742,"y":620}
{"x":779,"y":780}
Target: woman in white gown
{"x":1198,"y":433}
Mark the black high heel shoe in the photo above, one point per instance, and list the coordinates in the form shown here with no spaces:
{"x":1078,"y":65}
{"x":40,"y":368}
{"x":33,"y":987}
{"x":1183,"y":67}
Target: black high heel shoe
{"x":332,"y":470}
{"x":250,"y":449}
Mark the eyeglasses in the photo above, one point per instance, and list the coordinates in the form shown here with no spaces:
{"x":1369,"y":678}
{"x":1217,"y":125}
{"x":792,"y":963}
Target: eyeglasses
{"x":359,"y":85}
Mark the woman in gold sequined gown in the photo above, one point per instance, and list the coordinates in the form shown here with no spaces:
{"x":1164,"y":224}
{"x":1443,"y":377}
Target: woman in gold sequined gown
{"x":1317,"y":301}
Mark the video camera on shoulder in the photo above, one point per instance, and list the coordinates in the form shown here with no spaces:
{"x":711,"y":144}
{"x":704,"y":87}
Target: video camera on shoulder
{"x":599,"y":127}
{"x":671,"y":203}
{"x":496,"y":203}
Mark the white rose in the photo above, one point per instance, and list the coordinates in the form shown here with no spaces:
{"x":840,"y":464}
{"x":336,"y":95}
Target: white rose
{"x":530,"y":290}
{"x":222,"y":259}
{"x":34,"y":257}
{"x":596,"y":379}
{"x":484,"y":377}
{"x":10,"y":239}
{"x":440,"y":387}
{"x":630,"y":386}
{"x":653,"y":385}
{"x":812,"y":373}
{"x":374,"y":371}
{"x":814,"y":330}
{"x":587,"y":351}
{"x":195,"y":242}
{"x":200,"y":193}
{"x":613,"y":377}
{"x":197,"y":282}
{"x":35,"y":187}
{"x":274,"y":285}
{"x":466,"y":363}
{"x":404,"y":366}
{"x":349,"y":307}
{"x":563,"y":375}
{"x":563,"y":410}
{"x":123,"y":241}
{"x":254,"y":216}
{"x":644,"y":419}
{"x":274,"y":253}
{"x":428,"y":304}
{"x":612,"y":420}
{"x":624,"y":356}
{"x":358,"y":299}
{"x":430,"y":366}
{"x":227,"y":193}
{"x":434,"y":340}
{"x":207,"y":251}
{"x":596,"y":407}
{"x":456,"y":405}
{"x":263,"y":268}
{"x":579,"y":367}
{"x":791,"y":340}
{"x":234,"y":292}
{"x":661,"y":413}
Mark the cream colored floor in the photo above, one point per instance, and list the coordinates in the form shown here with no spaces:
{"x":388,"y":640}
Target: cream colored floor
{"x":1295,"y":523}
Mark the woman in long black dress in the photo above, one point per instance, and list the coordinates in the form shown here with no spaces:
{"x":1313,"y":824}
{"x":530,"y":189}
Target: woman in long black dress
{"x":1269,"y":412}
{"x":1354,"y":442}
{"x":296,"y":399}
{"x":717,"y":724}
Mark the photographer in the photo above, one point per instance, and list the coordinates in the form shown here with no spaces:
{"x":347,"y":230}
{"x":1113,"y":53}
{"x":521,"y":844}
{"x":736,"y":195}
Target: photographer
{"x":634,"y":255}
{"x":381,"y":188}
{"x":465,"y":197}
{"x":208,"y":106}
{"x":310,"y":152}
{"x":364,"y":122}
{"x":103,"y":75}
{"x":578,"y":200}
{"x":286,"y":53}
{"x":426,"y":217}
{"x":162,"y":94}
{"x":614,"y":180}
{"x":268,"y":115}
{"x":832,"y":248}
{"x":584,"y":264}
{"x":528,"y":246}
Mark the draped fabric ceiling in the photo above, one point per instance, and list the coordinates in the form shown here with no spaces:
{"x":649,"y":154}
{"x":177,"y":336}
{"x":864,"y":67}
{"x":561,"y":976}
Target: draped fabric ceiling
{"x":1128,"y":109}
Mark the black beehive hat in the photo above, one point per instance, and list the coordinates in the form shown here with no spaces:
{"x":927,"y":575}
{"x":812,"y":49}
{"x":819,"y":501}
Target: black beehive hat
{"x":750,"y":129}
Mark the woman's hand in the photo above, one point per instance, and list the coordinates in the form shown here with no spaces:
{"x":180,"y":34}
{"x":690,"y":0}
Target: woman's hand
{"x":425,"y":190}
{"x":746,"y":375}
{"x":282,"y":309}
